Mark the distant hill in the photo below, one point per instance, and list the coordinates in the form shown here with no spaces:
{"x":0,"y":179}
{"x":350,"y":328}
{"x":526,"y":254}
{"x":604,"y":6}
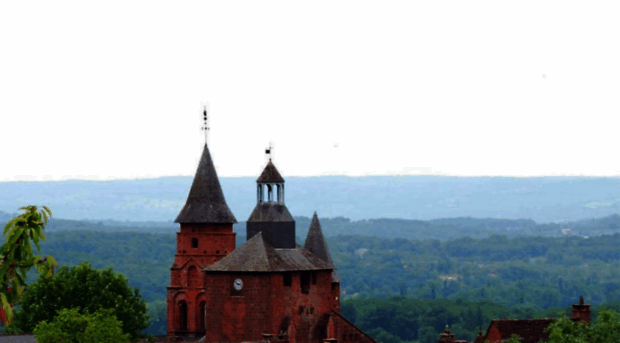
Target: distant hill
{"x":543,"y":199}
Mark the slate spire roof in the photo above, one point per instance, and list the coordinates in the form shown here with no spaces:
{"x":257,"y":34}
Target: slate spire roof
{"x":270,"y":174}
{"x":257,"y":255}
{"x":315,"y":243}
{"x":205,"y":202}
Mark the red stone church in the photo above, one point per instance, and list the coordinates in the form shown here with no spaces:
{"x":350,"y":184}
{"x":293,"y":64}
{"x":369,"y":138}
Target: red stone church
{"x":270,"y":288}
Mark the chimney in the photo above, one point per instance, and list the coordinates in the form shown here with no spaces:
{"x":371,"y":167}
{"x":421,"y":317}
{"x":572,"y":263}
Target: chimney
{"x":581,"y":311}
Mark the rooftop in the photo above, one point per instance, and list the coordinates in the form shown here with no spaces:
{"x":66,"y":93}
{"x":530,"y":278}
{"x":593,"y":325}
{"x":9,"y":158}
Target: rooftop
{"x":205,"y":202}
{"x":257,"y":255}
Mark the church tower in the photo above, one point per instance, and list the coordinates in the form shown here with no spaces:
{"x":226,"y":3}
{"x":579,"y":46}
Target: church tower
{"x":205,"y":237}
{"x":270,"y":216}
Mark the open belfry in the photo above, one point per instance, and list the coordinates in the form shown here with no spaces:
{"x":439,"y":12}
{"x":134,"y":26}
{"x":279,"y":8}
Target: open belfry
{"x":268,"y":289}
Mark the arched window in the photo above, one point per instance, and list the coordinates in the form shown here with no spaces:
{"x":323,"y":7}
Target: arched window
{"x":182,"y":315}
{"x":261,"y":193}
{"x":269,"y":193}
{"x":201,"y":316}
{"x":195,"y":243}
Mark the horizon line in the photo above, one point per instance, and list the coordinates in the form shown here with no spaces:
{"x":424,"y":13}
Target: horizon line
{"x":96,"y":179}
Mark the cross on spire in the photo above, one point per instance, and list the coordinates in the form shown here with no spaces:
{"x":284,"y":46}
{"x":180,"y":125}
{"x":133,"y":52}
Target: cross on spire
{"x":205,"y":128}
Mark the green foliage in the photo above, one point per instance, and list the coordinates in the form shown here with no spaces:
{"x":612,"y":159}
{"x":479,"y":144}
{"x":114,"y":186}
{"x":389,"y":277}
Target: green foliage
{"x":565,"y":330}
{"x":17,"y":256}
{"x":347,"y":309}
{"x":72,"y":326}
{"x":383,"y":336}
{"x":427,"y":334}
{"x":82,"y":286}
{"x":514,"y":338}
{"x":606,"y":329}
{"x":511,"y":271}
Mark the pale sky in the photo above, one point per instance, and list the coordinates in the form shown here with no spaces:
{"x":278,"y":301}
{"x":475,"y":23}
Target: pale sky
{"x":115,"y":89}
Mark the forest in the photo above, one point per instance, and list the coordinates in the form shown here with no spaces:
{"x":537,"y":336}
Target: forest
{"x":402,"y":280}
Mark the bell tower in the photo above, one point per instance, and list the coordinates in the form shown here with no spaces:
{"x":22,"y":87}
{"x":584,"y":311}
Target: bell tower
{"x":205,"y":237}
{"x":270,"y":216}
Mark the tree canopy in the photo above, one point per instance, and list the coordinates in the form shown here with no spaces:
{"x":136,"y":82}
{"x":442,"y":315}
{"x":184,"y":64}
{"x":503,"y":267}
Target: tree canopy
{"x":87,"y":288}
{"x":606,"y":329}
{"x":17,"y":257}
{"x":71,"y":326}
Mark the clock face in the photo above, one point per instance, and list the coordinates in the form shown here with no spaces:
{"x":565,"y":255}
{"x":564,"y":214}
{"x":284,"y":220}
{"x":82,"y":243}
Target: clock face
{"x":238,"y":284}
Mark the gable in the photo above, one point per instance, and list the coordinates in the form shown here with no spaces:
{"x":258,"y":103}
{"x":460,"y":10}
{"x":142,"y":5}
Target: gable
{"x":191,"y":259}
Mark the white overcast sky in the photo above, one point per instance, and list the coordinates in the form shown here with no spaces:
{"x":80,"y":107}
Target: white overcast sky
{"x":114,"y":89}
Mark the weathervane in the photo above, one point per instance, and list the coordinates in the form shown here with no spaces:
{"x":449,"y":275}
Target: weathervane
{"x":205,"y":128}
{"x":268,"y":151}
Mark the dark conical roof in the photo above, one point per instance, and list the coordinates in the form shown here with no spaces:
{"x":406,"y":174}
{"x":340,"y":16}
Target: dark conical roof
{"x":205,"y":202}
{"x":315,"y":243}
{"x":270,"y":174}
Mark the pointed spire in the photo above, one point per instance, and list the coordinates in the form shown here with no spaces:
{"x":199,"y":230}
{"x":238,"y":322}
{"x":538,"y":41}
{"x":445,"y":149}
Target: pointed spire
{"x":316,"y":244}
{"x":270,"y":174}
{"x":205,"y":202}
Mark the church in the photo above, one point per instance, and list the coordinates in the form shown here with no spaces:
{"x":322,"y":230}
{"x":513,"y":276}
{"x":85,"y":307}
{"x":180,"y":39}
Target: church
{"x":268,"y":289}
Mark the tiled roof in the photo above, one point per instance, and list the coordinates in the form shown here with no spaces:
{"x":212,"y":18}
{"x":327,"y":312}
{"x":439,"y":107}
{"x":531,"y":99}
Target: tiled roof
{"x":257,"y":255}
{"x":270,"y":212}
{"x":530,"y":330}
{"x":315,"y":243}
{"x":205,"y":202}
{"x":270,"y":174}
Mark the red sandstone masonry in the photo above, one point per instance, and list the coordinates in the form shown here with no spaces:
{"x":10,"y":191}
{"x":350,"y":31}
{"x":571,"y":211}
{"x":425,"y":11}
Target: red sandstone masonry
{"x":215,"y":241}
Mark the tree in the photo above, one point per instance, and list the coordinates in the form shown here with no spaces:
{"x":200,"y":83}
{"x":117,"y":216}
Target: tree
{"x":83,"y":286}
{"x":566,"y":331}
{"x":348,"y":311}
{"x":381,"y":335}
{"x":17,"y":257}
{"x":606,"y":329}
{"x":71,"y":326}
{"x":514,"y":338}
{"x":427,"y":334}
